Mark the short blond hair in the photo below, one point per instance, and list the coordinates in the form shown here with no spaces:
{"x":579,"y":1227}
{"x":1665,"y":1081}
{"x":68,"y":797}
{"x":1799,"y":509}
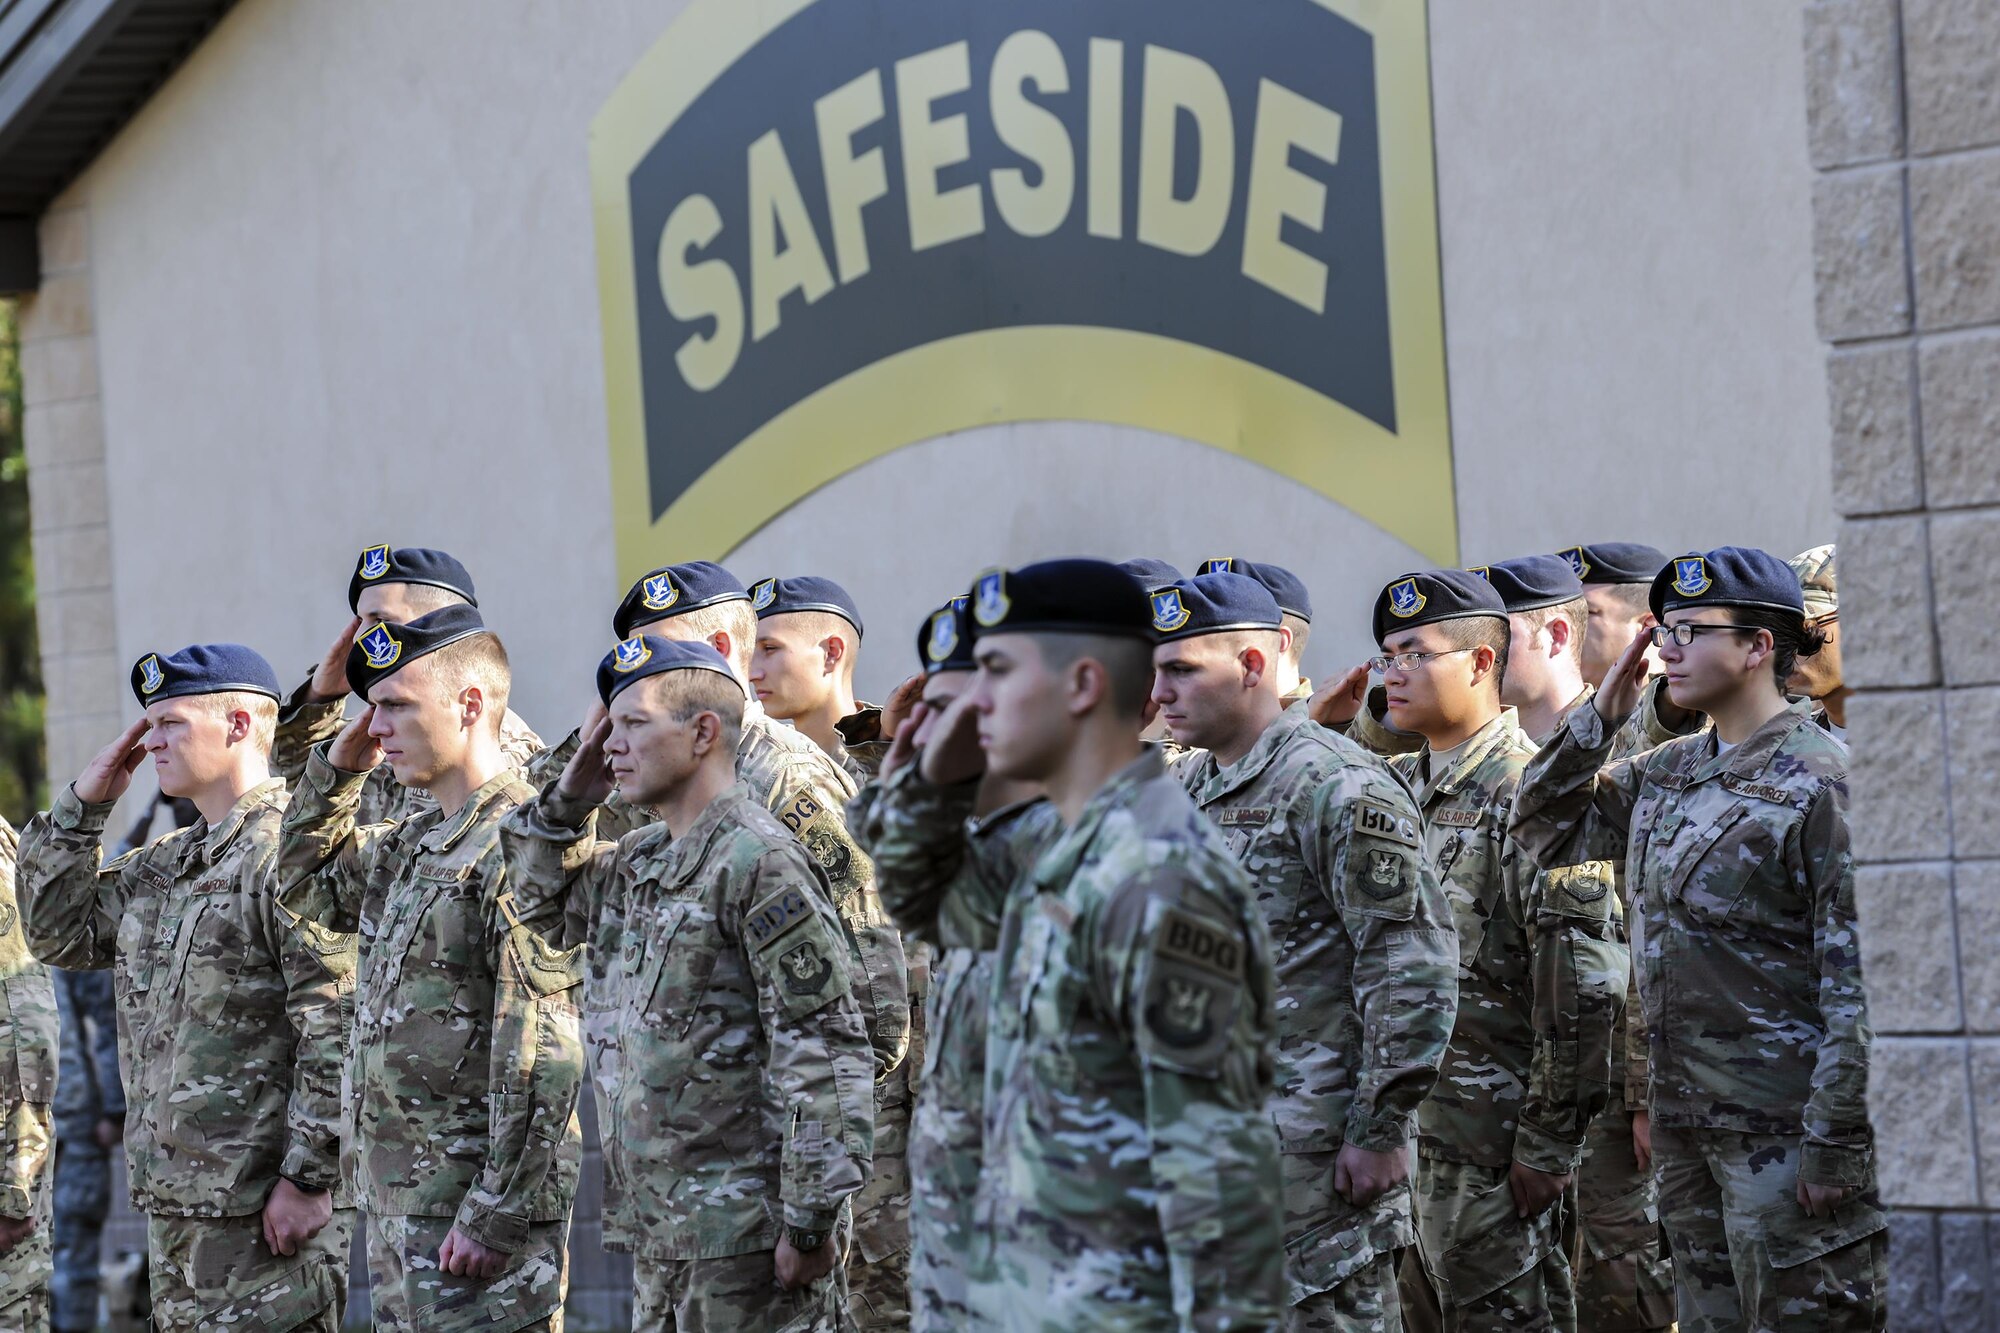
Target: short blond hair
{"x":734,"y":618}
{"x":684,"y":695}
{"x":481,"y":660}
{"x":1576,"y":612}
{"x":262,"y":708}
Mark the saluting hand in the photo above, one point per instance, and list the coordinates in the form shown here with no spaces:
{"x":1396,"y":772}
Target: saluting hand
{"x":354,"y":750}
{"x":587,"y":775}
{"x":1625,"y":682}
{"x":951,"y":745}
{"x":329,"y":682}
{"x":902,"y":702}
{"x":1339,"y":703}
{"x":904,"y":747}
{"x":106,"y":777}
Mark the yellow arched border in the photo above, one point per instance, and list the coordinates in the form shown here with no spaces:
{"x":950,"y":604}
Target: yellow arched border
{"x":1402,"y":482}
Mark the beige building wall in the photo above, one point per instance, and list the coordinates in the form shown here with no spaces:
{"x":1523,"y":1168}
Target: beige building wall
{"x":345,"y":293}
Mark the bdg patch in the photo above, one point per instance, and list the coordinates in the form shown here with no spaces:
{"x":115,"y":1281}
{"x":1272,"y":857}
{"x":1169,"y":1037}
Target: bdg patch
{"x":775,"y":915}
{"x":1186,"y":938}
{"x":1375,"y":820}
{"x":801,"y":813}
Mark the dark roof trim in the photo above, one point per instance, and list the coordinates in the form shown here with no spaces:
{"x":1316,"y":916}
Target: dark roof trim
{"x":72,"y":72}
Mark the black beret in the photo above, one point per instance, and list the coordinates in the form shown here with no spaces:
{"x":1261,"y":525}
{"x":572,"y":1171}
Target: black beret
{"x":203,"y":668}
{"x":1152,"y":574}
{"x":409,"y":564}
{"x":1433,"y":595}
{"x":380,"y":651}
{"x":1615,"y":562}
{"x":1531,"y":582}
{"x":675,"y":589}
{"x":1288,"y":588}
{"x":781,"y":597}
{"x":1075,"y":596}
{"x":645,"y":655}
{"x":1728,"y":576}
{"x":945,"y":641}
{"x":1213,"y":604}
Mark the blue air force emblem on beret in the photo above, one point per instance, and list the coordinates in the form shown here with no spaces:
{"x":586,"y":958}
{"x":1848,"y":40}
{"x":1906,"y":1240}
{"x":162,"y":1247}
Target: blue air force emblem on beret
{"x":1219,"y":565}
{"x":630,"y":655}
{"x":1404,"y":599}
{"x":380,"y":648}
{"x":763,"y":594}
{"x":944,"y":635}
{"x":660,"y":592}
{"x":1576,"y":561}
{"x":989,"y":598}
{"x":1168,"y":613}
{"x":1691,"y":576}
{"x":374,"y":562}
{"x":1480,"y":570}
{"x":150,"y":675}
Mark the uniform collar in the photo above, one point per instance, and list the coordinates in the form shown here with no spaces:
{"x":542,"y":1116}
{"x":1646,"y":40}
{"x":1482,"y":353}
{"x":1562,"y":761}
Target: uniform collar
{"x":1220,"y":781}
{"x":446,"y":833}
{"x":686,"y":853}
{"x":1496,"y":734}
{"x":1753,"y":755}
{"x":214,"y":841}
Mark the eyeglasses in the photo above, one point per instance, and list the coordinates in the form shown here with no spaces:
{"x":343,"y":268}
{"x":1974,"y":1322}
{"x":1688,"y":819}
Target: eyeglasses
{"x":1683,"y":634}
{"x":1408,"y":661}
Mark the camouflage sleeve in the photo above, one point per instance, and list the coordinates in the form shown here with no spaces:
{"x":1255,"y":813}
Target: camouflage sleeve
{"x":915,"y":832}
{"x":1638,"y":1049}
{"x":1190,"y":979}
{"x":103,"y":1006}
{"x":536,"y":1068}
{"x":318,"y":964}
{"x":1836,"y":1150}
{"x":1579,"y":971}
{"x":556,"y":863}
{"x":302,"y":724}
{"x":544,"y":768}
{"x":811,"y":808}
{"x":70,"y":900}
{"x":28,"y":1078}
{"x":820,"y":1066}
{"x":1572,"y":806}
{"x":1370,"y":728}
{"x":1648,"y":725}
{"x":324,"y":854}
{"x":1365,"y":847}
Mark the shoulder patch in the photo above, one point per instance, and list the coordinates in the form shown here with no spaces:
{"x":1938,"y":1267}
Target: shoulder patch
{"x":1377,"y":820}
{"x":775,"y":915}
{"x":804,"y":968}
{"x":799,"y":813}
{"x":1456,"y":818}
{"x":1186,"y":938}
{"x":827,"y":847}
{"x":1246,"y":817}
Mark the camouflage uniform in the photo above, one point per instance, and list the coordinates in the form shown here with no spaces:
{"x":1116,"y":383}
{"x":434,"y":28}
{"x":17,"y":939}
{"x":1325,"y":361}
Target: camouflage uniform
{"x":233,"y":1022}
{"x":944,"y":877}
{"x":1541,"y":979}
{"x":1367,"y":968}
{"x":27,"y":1085}
{"x":808,"y":791}
{"x":304,"y":723}
{"x":1744,"y":934}
{"x":88,"y":1090}
{"x":733,"y":1072}
{"x":1131,"y":1174}
{"x":467,"y":1051}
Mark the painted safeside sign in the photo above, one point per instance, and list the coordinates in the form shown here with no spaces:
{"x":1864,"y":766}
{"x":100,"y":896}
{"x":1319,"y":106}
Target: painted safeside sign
{"x":830,"y":228}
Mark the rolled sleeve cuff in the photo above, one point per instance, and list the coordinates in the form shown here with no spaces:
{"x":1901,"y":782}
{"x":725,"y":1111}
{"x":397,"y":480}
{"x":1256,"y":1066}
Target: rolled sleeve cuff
{"x":564,"y":812}
{"x":1377,"y":1133}
{"x":490,"y":1227}
{"x":300,"y":707}
{"x":326,"y":779}
{"x":1587,"y":727}
{"x":16,"y":1202}
{"x":72,"y":812}
{"x":1544,"y":1152}
{"x":311,"y":1165}
{"x":811,"y":1219}
{"x":1822,"y":1163}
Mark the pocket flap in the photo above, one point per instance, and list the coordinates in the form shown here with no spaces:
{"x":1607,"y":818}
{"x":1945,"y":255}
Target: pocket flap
{"x":1327,"y":1255}
{"x":1793,"y":1237}
{"x":1623,"y":1225}
{"x":1499,"y":1246}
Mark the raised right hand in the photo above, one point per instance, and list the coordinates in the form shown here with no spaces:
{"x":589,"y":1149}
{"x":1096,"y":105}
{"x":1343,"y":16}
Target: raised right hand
{"x":354,"y":750}
{"x":951,"y":745}
{"x":903,"y":748}
{"x":329,"y":681}
{"x":587,"y":775}
{"x":1339,"y":703}
{"x":106,"y":777}
{"x":1625,"y":682}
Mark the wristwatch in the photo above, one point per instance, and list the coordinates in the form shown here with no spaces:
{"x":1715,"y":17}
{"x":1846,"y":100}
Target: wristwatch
{"x":805,"y":1242}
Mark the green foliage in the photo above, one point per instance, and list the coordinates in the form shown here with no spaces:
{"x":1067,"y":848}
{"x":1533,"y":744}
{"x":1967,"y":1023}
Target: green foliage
{"x":22,"y":785}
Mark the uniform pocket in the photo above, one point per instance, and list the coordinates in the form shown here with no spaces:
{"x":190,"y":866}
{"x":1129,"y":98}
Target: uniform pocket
{"x":1493,"y":1246}
{"x":1828,"y":1273}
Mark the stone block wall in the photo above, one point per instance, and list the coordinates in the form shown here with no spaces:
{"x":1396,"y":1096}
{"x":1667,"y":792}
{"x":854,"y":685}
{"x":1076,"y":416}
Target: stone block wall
{"x":1904,"y":134}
